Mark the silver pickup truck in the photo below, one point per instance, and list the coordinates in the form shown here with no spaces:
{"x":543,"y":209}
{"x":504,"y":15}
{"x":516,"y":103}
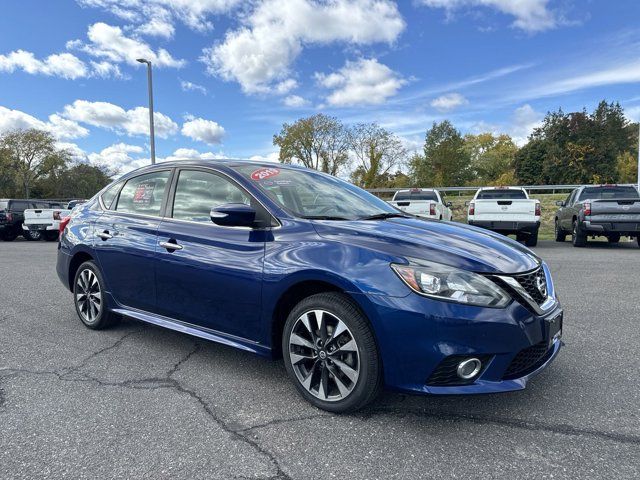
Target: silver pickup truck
{"x":611,"y":211}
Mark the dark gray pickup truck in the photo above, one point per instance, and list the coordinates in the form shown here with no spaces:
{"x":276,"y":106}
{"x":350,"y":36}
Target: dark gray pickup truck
{"x":610,"y":211}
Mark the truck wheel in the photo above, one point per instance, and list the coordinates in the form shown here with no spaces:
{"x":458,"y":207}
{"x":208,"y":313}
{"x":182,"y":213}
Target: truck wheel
{"x":532,"y":240}
{"x":638,"y":240}
{"x":579,"y":238}
{"x":614,"y":238}
{"x":32,"y":235}
{"x":561,"y":236}
{"x":51,"y":235}
{"x":9,"y":236}
{"x":330,"y":353}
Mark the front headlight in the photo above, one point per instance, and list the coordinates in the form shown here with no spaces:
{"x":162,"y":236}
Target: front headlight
{"x":451,"y":284}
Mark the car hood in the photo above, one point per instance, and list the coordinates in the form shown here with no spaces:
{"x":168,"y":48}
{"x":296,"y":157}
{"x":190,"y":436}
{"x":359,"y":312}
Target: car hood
{"x":453,"y":244}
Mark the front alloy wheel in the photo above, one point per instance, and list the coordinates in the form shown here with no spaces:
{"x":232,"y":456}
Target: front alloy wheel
{"x":330,"y":353}
{"x":324,"y":355}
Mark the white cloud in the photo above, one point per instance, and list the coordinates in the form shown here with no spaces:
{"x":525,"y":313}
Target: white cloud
{"x":530,"y":15}
{"x":295,"y":101}
{"x":193,"y":154}
{"x":59,"y":127}
{"x":448,"y":102}
{"x":270,"y":157}
{"x":260,"y":53}
{"x":524,"y":120}
{"x":121,"y":156}
{"x":63,"y":65}
{"x":77,"y":154}
{"x":362,"y":82}
{"x":113,"y":117}
{"x":203,"y":130}
{"x":193,"y":13}
{"x":192,"y":87}
{"x":110,"y":43}
{"x":159,"y":25}
{"x":106,"y":70}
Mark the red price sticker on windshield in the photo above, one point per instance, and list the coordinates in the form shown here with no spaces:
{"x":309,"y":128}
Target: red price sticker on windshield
{"x":263,"y":173}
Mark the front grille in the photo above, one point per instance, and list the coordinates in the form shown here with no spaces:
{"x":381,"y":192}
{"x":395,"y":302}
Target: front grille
{"x":535,"y":284}
{"x":445,"y":374}
{"x":527,"y":360}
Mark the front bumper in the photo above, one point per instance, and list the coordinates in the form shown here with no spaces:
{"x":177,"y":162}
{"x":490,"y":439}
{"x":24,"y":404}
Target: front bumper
{"x":415,"y":334}
{"x":506,"y":226}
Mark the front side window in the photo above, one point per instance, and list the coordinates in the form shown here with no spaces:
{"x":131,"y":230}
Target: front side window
{"x":310,"y":194}
{"x":144,"y":194}
{"x":197,"y":192}
{"x":107,"y":197}
{"x":4,"y":205}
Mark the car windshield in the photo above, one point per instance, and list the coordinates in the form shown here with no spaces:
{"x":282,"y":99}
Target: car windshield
{"x":501,"y":194}
{"x":310,"y":194}
{"x":604,"y":193}
{"x":400,"y":196}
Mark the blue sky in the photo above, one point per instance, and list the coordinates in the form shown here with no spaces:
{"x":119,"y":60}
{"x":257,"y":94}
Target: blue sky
{"x":228,"y":73}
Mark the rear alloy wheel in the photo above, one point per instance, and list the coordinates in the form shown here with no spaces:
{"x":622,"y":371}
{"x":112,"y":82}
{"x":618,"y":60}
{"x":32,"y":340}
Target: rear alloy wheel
{"x":88,"y":288}
{"x":330,"y":353}
{"x":579,"y":238}
{"x":560,"y":234}
{"x":32,"y":235}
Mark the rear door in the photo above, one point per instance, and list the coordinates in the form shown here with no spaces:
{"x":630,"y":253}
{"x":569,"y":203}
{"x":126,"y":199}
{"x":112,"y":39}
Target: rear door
{"x":210,"y":275}
{"x":126,"y":239}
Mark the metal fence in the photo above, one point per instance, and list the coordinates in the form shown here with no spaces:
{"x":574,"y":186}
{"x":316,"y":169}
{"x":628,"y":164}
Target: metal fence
{"x":384,"y":192}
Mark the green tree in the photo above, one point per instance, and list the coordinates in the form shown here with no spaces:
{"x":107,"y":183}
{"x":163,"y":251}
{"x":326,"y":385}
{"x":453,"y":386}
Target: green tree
{"x":528,"y":163}
{"x":33,"y":154}
{"x":627,"y":168}
{"x":377,"y":151}
{"x":492,"y":157}
{"x":318,"y":142}
{"x":445,"y":161}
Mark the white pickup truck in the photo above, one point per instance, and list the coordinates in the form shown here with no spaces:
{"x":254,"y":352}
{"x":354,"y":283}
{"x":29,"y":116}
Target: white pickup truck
{"x":507,"y":210}
{"x":426,"y":203}
{"x":44,"y":222}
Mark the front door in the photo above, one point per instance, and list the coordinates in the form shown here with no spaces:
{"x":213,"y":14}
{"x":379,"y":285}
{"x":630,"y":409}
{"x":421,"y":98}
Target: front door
{"x":126,"y":240}
{"x":206,"y":274}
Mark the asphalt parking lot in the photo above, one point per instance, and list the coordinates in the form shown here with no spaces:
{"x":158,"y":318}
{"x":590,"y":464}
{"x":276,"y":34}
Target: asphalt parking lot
{"x":139,"y":401}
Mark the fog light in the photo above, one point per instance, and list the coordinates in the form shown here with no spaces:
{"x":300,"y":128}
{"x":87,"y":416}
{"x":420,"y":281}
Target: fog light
{"x":469,"y":368}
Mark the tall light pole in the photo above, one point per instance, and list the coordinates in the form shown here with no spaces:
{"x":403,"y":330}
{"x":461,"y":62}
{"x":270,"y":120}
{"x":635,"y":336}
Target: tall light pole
{"x":151,"y":133}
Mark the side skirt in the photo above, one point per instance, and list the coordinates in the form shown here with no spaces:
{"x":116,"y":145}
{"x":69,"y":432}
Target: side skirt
{"x":196,"y":331}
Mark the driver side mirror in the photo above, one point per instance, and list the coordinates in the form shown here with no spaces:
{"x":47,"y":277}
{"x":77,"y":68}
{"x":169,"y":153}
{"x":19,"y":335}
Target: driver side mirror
{"x":560,"y":203}
{"x":233,"y":215}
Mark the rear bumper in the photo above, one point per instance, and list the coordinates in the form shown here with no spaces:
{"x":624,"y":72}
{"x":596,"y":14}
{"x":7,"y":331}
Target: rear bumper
{"x":40,"y":227}
{"x":506,"y":226}
{"x":622,"y":228}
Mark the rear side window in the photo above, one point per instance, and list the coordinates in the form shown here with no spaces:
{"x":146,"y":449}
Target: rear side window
{"x":604,"y":193}
{"x":18,"y":206}
{"x":107,"y":197}
{"x":41,"y":205}
{"x":501,"y":195}
{"x":400,"y":196}
{"x":4,"y":205}
{"x":144,"y":194}
{"x":197,"y":192}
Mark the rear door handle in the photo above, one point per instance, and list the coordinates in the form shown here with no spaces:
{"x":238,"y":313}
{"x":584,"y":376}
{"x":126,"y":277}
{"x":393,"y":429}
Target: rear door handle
{"x":104,"y":235}
{"x":171,"y":246}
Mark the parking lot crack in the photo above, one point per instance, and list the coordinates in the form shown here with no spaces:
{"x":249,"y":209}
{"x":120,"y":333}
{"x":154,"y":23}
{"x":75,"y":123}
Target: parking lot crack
{"x":282,"y":421}
{"x":530,"y":425}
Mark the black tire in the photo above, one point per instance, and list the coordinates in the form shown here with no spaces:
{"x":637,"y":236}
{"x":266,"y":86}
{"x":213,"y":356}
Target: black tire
{"x":369,"y":379}
{"x":104,"y":318}
{"x":8,"y":236}
{"x":32,"y":235}
{"x":614,"y":238}
{"x":521,"y":237}
{"x":578,"y":238}
{"x":532,"y":240}
{"x":638,"y":240}
{"x":51,"y":235}
{"x":560,"y":234}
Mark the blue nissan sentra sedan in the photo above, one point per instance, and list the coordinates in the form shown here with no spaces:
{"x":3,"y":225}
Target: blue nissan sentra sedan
{"x":281,"y":260}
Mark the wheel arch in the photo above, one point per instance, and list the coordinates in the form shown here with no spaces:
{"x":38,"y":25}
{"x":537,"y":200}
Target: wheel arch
{"x":78,"y":259}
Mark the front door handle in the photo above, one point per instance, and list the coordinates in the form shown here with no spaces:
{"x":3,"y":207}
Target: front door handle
{"x":171,"y":246}
{"x":104,"y":235}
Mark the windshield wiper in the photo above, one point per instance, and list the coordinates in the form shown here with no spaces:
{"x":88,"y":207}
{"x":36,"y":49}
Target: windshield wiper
{"x":384,"y":216}
{"x":324,"y":217}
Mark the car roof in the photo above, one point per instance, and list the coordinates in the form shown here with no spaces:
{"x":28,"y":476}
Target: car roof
{"x":500,"y":188}
{"x":226,"y":162}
